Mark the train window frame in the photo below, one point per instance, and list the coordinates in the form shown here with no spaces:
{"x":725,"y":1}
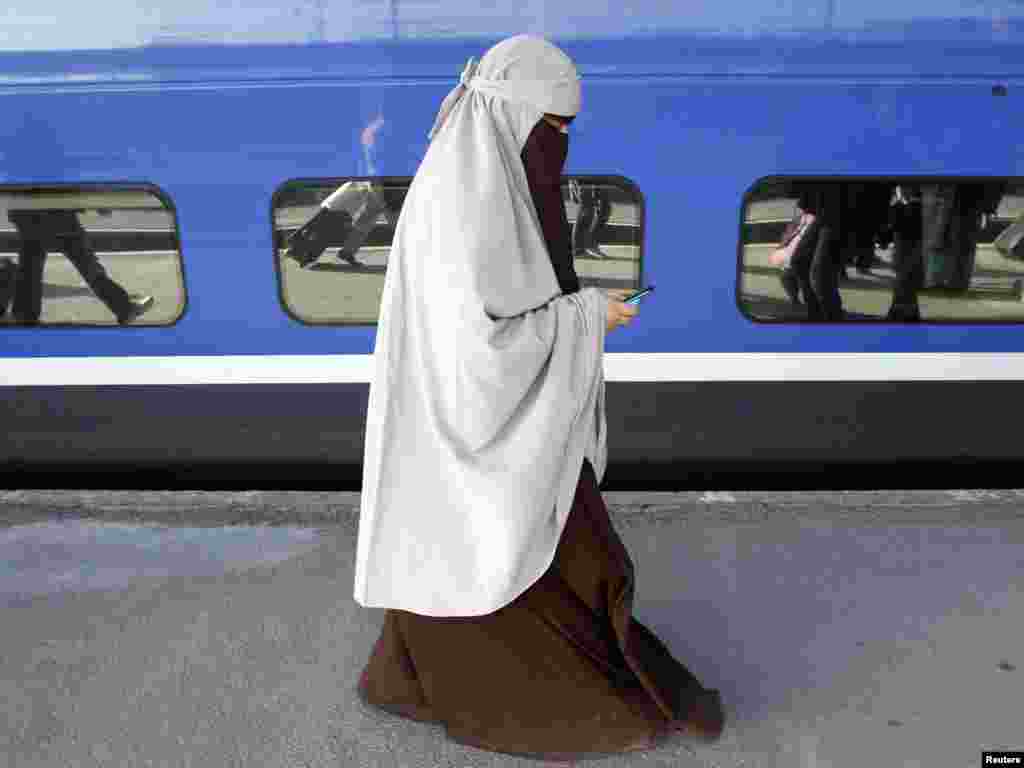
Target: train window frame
{"x":874,"y":322}
{"x":94,"y":187}
{"x":335,"y":182}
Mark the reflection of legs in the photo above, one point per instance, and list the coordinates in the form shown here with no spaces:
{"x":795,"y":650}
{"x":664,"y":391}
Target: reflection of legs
{"x":909,"y":277}
{"x":937,"y":204}
{"x":825,"y":268}
{"x":601,"y":212}
{"x":968,"y":221}
{"x":34,"y":229}
{"x":586,"y":216}
{"x":800,"y":263}
{"x":84,"y":259}
{"x":8,"y":278}
{"x":28,"y":292}
{"x":909,"y":265}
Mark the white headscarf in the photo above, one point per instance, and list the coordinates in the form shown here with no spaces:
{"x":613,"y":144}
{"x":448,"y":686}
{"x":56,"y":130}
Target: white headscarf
{"x":488,"y":389}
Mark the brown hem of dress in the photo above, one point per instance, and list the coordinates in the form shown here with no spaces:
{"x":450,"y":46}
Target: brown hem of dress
{"x":563,"y":671}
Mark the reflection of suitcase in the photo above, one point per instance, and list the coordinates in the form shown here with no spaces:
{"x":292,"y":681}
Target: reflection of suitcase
{"x":1010,"y":242}
{"x":345,"y":219}
{"x":310,"y":240}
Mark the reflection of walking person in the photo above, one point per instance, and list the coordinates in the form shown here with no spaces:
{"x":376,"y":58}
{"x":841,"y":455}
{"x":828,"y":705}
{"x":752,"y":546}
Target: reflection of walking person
{"x":43,"y":231}
{"x":816,"y":259}
{"x":908,"y":256}
{"x":783,"y":255}
{"x":346,"y":218}
{"x":594,"y":211}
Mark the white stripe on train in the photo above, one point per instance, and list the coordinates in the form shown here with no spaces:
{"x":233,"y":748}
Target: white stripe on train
{"x":619,"y":366}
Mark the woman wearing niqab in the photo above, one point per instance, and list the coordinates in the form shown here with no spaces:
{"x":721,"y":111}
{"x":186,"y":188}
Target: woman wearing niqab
{"x":482,"y":530}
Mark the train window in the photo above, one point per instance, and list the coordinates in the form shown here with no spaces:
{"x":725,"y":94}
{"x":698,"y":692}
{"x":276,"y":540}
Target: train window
{"x":332,"y":238}
{"x":89,"y":255}
{"x":883,"y":250}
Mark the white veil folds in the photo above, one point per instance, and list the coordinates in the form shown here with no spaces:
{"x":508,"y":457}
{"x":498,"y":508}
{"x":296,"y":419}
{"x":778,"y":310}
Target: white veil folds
{"x":488,"y":390}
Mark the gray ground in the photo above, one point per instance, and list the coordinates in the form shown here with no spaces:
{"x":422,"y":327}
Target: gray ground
{"x":843,"y":629}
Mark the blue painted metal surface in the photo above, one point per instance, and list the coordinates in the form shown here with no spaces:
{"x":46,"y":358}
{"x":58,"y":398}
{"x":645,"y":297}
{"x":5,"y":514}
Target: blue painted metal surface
{"x":693,"y":120}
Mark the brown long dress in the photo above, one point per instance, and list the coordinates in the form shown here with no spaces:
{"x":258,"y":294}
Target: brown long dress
{"x":562,"y":671}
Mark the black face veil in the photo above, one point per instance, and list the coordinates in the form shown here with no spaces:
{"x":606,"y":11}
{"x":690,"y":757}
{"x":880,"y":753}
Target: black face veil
{"x":544,"y":158}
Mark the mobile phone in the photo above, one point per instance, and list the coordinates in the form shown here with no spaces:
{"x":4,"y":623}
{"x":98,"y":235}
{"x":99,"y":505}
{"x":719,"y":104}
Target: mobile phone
{"x":635,"y":298}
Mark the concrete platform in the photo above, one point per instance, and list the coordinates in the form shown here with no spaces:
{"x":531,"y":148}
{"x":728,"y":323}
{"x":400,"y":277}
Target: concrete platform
{"x":843,"y":629}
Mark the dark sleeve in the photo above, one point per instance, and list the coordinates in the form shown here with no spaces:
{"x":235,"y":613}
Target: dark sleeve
{"x":871,"y":210}
{"x":546,"y":191}
{"x":983,"y":197}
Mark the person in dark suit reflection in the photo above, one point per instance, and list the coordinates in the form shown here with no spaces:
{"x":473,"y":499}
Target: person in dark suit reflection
{"x":57,"y":230}
{"x":866,"y":208}
{"x":952,"y":222}
{"x":333,"y":225}
{"x":817,"y":259}
{"x":34,"y":152}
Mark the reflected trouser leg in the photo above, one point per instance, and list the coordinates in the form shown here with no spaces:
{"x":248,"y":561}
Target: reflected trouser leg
{"x":602,"y":212}
{"x":825,"y":267}
{"x":8,"y":278}
{"x":606,"y":210}
{"x":937,"y":201}
{"x":28,"y":291}
{"x":909,"y":276}
{"x":77,"y":249}
{"x":800,"y":263}
{"x":966,"y":247}
{"x":585,"y":216}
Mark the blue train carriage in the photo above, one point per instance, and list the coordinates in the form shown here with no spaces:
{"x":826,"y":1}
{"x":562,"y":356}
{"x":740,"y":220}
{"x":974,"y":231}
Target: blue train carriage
{"x":240,"y":177}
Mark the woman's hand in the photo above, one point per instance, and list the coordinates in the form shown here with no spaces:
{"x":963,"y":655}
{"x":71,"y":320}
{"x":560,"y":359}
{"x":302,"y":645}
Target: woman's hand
{"x":619,"y":313}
